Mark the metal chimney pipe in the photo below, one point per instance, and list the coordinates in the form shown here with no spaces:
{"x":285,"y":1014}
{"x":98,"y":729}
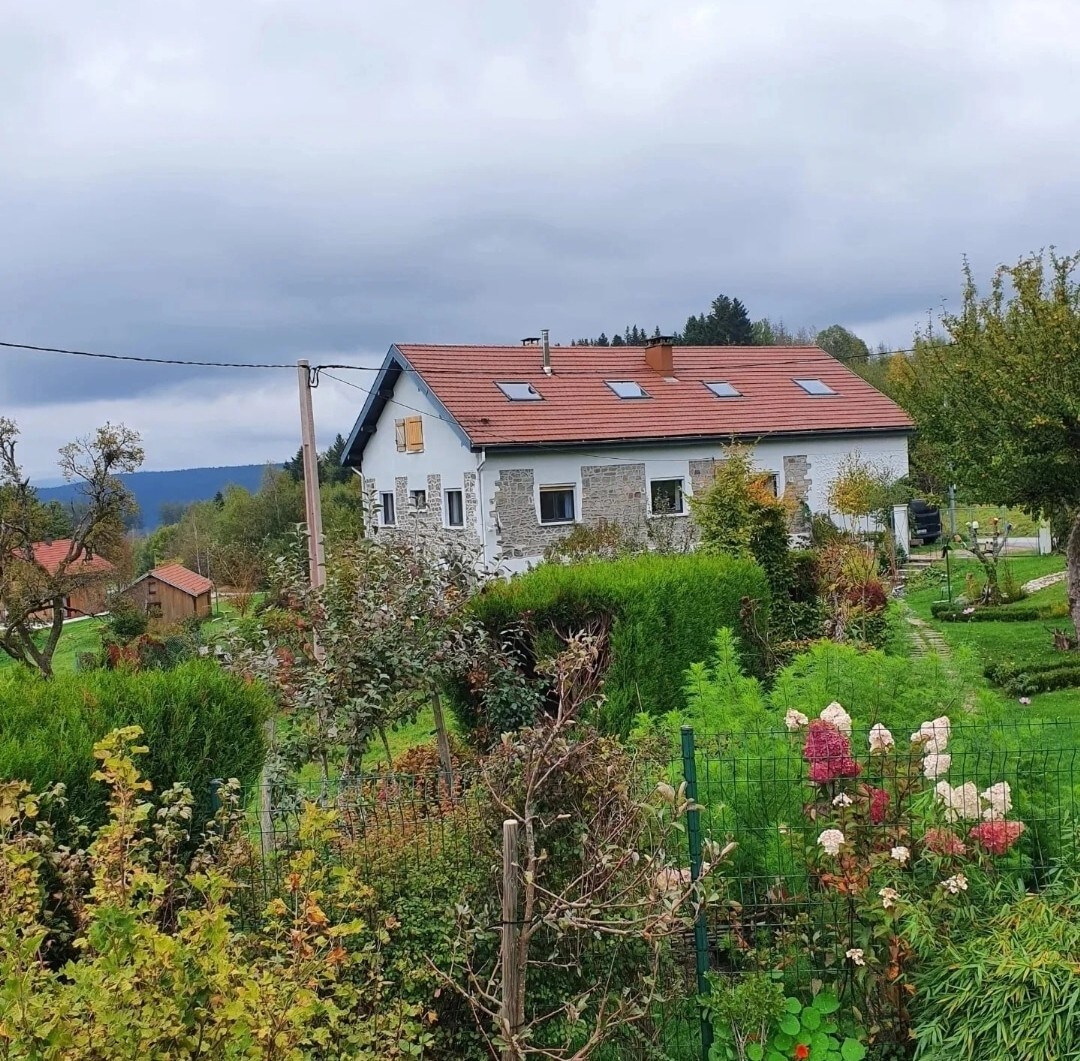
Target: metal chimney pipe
{"x":547,"y":351}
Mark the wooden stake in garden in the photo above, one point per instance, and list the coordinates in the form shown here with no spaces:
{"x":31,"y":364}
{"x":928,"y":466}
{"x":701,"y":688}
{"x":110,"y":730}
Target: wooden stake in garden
{"x":511,"y":930}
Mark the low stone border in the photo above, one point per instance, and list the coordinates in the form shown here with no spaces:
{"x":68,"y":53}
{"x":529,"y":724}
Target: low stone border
{"x":1037,"y":584}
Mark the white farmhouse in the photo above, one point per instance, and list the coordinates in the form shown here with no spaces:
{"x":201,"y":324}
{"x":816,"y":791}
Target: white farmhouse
{"x":514,"y":445}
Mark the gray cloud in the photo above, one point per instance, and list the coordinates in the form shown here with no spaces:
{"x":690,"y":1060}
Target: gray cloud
{"x":257,"y":181}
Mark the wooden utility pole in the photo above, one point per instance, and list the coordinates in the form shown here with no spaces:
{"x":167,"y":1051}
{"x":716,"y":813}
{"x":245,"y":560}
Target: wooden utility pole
{"x":312,"y":501}
{"x":511,"y":929}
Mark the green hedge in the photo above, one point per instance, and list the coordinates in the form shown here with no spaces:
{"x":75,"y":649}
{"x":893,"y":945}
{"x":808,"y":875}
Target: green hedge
{"x":664,"y":613}
{"x":949,"y":613}
{"x":199,"y":722}
{"x":1037,"y":676}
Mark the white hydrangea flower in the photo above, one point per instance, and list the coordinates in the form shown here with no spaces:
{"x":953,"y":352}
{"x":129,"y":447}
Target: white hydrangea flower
{"x":856,"y":956}
{"x":961,"y":803}
{"x":795,"y":720}
{"x":889,"y":897}
{"x":934,"y":736}
{"x":831,"y":840}
{"x":999,"y":797}
{"x":900,"y":854}
{"x":955,"y":885}
{"x":836,"y":716}
{"x":843,"y":800}
{"x":881,"y":740}
{"x":935,"y":764}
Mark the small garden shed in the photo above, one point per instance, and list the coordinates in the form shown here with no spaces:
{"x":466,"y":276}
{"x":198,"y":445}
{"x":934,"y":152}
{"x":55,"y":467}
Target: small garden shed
{"x":172,"y":592}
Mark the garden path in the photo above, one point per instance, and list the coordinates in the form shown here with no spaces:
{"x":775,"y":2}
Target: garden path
{"x":1037,"y":584}
{"x":928,"y":640}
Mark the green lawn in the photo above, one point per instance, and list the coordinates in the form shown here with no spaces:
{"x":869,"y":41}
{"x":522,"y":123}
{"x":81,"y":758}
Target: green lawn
{"x":81,"y":636}
{"x":1011,"y":641}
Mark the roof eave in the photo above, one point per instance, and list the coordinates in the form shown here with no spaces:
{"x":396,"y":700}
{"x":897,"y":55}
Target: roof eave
{"x":748,"y":436}
{"x":381,"y":395}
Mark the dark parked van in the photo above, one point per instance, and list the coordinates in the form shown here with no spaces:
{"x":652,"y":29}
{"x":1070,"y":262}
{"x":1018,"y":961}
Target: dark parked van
{"x":924,"y":522}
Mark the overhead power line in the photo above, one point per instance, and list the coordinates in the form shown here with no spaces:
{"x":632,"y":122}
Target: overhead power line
{"x":561,"y":370}
{"x":145,"y":360}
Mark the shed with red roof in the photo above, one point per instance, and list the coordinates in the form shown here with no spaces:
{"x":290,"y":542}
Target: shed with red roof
{"x":172,"y":593}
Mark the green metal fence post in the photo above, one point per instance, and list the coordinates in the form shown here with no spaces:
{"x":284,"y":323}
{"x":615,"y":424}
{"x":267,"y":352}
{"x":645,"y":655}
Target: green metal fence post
{"x":693,"y":833}
{"x":215,"y":794}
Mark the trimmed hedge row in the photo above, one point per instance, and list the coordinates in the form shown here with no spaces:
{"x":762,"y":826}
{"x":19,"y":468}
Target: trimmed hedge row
{"x":199,"y":722}
{"x":949,"y":613}
{"x":1037,"y":676}
{"x":663,"y":611}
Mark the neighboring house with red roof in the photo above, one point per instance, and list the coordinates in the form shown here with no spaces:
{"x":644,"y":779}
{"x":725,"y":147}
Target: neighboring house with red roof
{"x":90,"y":577}
{"x":513,"y":445}
{"x":172,"y":593}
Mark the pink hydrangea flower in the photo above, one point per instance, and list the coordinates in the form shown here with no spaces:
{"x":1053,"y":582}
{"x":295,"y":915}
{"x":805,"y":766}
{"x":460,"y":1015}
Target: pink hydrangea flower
{"x":944,"y":842}
{"x":879,"y":805}
{"x":828,"y":752}
{"x":997,"y":837}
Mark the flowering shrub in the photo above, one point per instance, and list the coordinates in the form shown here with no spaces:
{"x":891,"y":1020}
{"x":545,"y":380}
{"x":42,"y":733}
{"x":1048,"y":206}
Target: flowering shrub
{"x":887,"y":834}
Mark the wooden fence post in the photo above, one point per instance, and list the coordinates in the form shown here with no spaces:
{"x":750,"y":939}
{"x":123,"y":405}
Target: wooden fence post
{"x":693,"y":835}
{"x":511,"y":929}
{"x":442,"y":739}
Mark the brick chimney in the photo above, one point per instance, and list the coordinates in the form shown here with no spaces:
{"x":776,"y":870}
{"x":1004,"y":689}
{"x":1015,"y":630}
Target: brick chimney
{"x":658,"y":355}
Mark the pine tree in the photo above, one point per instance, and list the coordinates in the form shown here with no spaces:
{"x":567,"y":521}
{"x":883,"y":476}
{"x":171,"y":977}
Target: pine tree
{"x":602,"y":340}
{"x":726,"y":324}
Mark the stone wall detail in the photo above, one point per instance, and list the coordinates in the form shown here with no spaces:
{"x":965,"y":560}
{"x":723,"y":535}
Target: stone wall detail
{"x":427,"y":521}
{"x":519,"y":530}
{"x":702,"y":474}
{"x":615,"y":493}
{"x":797,"y":490}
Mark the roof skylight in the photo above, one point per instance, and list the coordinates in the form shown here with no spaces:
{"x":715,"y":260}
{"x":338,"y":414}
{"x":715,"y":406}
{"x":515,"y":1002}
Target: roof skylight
{"x":520,"y":392}
{"x":723,"y":389}
{"x":627,"y":388}
{"x":815,"y":386}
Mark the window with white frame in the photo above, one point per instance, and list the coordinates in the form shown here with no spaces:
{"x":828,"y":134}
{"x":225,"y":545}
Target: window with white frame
{"x":666,"y":497}
{"x":556,"y":504}
{"x":455,"y":508}
{"x":387,"y":516}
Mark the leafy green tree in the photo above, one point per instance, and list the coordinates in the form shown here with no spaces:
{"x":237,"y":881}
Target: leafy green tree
{"x":739,"y":515}
{"x":1003,"y":397}
{"x":844,"y":345}
{"x":30,"y":591}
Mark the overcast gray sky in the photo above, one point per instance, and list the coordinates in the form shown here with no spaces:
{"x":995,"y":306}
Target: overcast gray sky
{"x":269,"y":179}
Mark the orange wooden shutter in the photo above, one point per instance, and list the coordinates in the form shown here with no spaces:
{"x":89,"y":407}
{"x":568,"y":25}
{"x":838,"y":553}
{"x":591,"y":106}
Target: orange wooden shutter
{"x":414,"y":434}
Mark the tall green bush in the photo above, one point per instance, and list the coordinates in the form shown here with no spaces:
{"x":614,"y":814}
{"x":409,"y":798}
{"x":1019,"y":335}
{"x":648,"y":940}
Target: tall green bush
{"x":200,"y":722}
{"x":662,"y":611}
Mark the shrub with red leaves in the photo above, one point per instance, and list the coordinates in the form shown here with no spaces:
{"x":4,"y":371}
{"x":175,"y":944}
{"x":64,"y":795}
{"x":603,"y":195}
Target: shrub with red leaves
{"x":828,"y":752}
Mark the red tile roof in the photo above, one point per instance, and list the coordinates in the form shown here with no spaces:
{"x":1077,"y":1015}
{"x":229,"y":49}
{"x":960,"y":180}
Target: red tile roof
{"x":181,"y":578}
{"x":51,"y":554}
{"x":578,"y":406}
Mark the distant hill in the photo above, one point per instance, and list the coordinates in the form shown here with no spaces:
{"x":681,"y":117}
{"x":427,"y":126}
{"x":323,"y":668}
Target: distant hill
{"x":154,"y":489}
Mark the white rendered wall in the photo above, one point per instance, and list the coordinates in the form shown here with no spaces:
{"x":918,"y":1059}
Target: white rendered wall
{"x":444,"y":453}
